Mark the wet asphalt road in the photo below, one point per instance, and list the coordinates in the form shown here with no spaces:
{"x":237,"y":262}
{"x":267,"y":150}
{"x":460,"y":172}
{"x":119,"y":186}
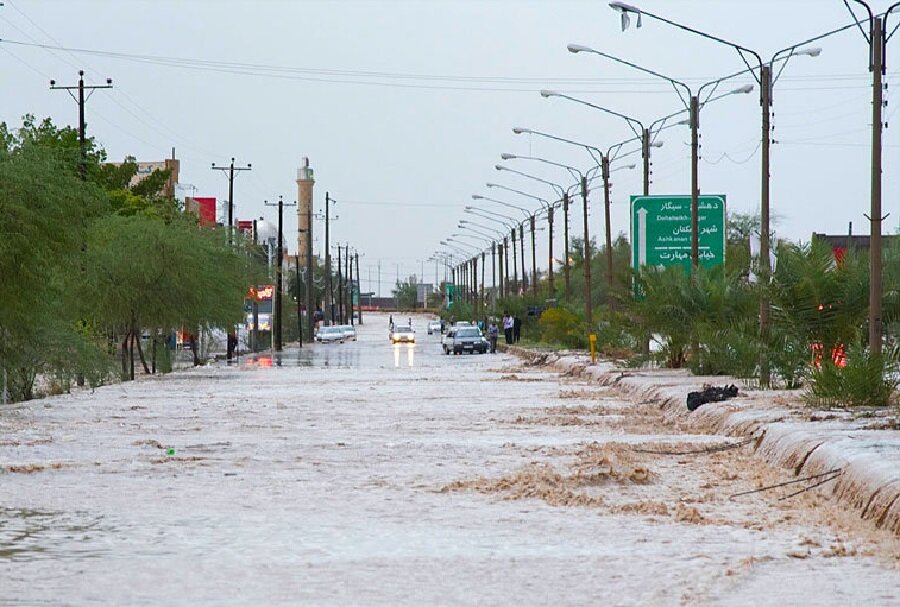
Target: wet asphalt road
{"x":315,"y":478}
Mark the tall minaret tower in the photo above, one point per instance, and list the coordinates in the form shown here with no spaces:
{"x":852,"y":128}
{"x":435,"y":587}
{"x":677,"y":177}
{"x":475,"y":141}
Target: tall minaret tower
{"x":305,"y":182}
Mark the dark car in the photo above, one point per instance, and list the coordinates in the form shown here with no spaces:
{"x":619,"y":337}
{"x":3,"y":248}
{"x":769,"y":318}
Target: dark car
{"x":465,"y":339}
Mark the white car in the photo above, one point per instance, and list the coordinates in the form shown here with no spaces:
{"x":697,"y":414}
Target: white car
{"x":402,"y":334}
{"x":434,"y":326}
{"x":333,"y":334}
{"x":349,"y":332}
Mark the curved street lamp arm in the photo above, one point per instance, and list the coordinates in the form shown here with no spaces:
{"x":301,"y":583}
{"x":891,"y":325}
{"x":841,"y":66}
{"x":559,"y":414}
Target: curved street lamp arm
{"x":556,"y":187}
{"x":631,"y":121}
{"x":871,"y":18}
{"x":675,"y":83}
{"x":519,"y":192}
{"x":473,"y":224}
{"x":524,"y":211}
{"x":486,"y":234}
{"x":741,"y":50}
{"x":589,"y":148}
{"x":575,"y":173}
{"x":486,"y":215}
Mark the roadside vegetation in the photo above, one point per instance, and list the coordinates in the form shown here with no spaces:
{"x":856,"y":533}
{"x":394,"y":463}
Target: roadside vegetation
{"x":709,"y":324}
{"x":96,"y":271}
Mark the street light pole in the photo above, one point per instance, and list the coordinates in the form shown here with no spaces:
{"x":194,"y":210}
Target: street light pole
{"x":588,"y":305}
{"x":877,"y":52}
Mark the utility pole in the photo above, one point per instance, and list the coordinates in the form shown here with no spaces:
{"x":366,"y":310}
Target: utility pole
{"x":483,"y":286}
{"x":765,"y":85}
{"x":232,"y":336}
{"x":329,"y":293}
{"x":229,"y":170}
{"x":310,"y":282}
{"x":356,"y":259}
{"x":278,"y":325}
{"x":299,"y":312}
{"x":515,"y":282}
{"x":533,"y":260}
{"x":551,"y":288}
{"x":878,"y":42}
{"x":522,"y":247}
{"x":609,"y":253}
{"x":340,"y":289}
{"x":566,"y":248}
{"x":80,"y":99}
{"x":494,"y":270}
{"x":504,"y":263}
{"x":350,"y":284}
{"x":588,"y":305}
{"x":695,"y":184}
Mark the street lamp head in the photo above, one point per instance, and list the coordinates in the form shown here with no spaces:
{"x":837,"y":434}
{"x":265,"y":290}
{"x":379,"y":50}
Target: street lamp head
{"x":657,"y":144}
{"x":468,"y":209}
{"x":505,"y":156}
{"x":623,"y":8}
{"x":500,"y":167}
{"x":492,"y":185}
{"x":685,"y":122}
{"x":546,"y":93}
{"x":809,"y":52}
{"x":519,"y":130}
{"x":578,"y":48}
{"x":630,"y":166}
{"x":53,"y":83}
{"x":747,"y":88}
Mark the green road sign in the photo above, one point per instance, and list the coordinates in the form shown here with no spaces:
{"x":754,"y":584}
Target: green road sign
{"x":661,"y":230}
{"x":451,"y":294}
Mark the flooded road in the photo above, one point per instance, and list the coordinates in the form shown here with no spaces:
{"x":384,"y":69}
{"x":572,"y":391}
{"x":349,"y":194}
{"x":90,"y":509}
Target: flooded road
{"x":369,"y":474}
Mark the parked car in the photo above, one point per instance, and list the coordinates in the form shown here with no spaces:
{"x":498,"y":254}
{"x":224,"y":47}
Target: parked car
{"x":333,"y":334}
{"x":434,"y":326}
{"x":464,"y":339}
{"x":402,"y":334}
{"x":349,"y":332}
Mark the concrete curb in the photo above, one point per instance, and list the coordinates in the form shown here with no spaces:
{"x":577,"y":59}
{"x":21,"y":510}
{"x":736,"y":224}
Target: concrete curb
{"x":788,"y":433}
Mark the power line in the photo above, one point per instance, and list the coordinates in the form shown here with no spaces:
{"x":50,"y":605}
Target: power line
{"x":402,"y":80}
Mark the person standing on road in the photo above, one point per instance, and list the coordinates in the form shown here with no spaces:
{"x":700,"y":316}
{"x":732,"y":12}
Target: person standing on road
{"x":493,"y":335}
{"x":508,"y":327}
{"x":517,"y":329}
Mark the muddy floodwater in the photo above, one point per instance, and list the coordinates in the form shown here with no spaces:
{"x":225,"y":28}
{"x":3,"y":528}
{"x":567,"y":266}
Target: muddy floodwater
{"x":369,"y":474}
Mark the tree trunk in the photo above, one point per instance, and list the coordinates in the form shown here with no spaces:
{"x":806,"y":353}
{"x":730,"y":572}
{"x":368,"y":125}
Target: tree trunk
{"x":124,"y":350}
{"x":194,"y":351}
{"x":140,"y":350}
{"x":131,"y":357}
{"x":153,"y":352}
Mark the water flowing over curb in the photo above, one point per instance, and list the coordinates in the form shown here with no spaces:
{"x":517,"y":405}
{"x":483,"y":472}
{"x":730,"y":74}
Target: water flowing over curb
{"x":787,"y":434}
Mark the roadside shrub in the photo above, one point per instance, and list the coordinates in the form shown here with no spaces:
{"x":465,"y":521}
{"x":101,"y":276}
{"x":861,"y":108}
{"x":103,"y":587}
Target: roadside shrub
{"x":614,"y":341}
{"x":559,"y":326}
{"x":865,"y":381}
{"x":789,"y":356}
{"x":733,"y":350}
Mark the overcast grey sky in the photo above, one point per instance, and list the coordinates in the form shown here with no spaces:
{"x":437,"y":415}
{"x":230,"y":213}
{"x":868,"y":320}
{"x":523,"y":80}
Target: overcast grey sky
{"x":404,"y":145}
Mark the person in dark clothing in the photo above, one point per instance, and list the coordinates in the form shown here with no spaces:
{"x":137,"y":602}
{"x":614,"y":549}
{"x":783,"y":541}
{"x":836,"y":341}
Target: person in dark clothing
{"x":493,"y":335}
{"x":517,"y":329}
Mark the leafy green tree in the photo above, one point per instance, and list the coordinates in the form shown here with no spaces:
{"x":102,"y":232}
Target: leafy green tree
{"x":47,"y":210}
{"x":405,"y":294}
{"x":146,"y":273}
